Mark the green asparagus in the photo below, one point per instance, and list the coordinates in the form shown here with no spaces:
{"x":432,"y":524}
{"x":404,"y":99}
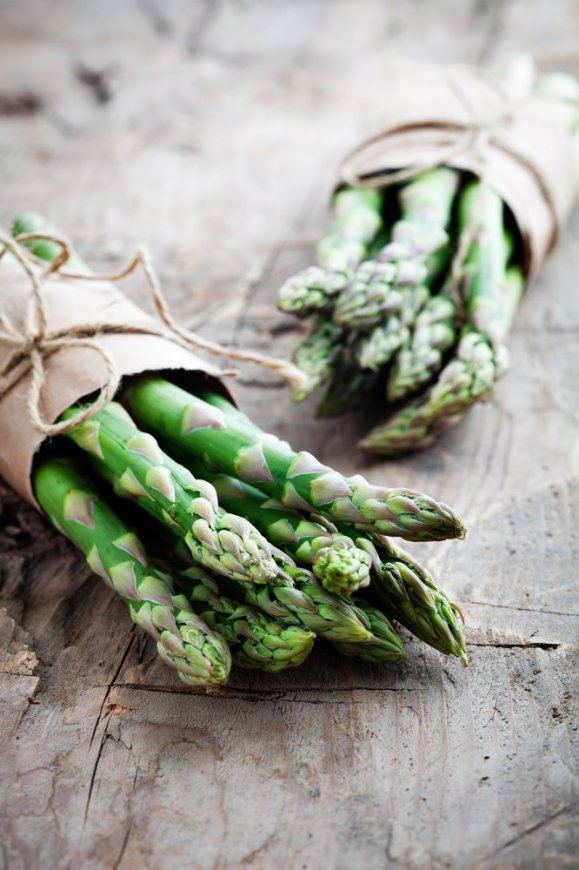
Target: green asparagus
{"x":422,"y":353}
{"x":335,"y":560}
{"x":296,"y":597}
{"x":256,"y":641}
{"x":223,"y":542}
{"x":298,"y":480}
{"x":386,"y":647}
{"x":419,"y":244}
{"x":355,"y":222}
{"x":317,"y":355}
{"x":469,"y":377}
{"x":184,"y":641}
{"x":44,"y":249}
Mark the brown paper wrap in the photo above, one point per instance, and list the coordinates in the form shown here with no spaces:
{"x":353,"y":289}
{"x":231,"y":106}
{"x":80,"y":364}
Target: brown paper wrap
{"x":459,"y":116}
{"x":72,"y":373}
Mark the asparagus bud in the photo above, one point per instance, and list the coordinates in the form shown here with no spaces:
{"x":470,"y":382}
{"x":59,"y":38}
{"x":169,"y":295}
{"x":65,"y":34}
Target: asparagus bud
{"x":256,"y":640}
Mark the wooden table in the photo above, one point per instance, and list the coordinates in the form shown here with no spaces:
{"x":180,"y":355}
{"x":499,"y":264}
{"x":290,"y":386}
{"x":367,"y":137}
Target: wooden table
{"x":211,"y":131}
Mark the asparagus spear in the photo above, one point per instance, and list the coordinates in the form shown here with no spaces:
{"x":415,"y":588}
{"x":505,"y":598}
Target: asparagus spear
{"x":419,"y":245}
{"x":408,"y":591}
{"x":184,"y":641}
{"x":411,"y":595}
{"x":317,"y":355}
{"x":469,"y":377}
{"x":422,"y":352}
{"x":223,"y":542}
{"x":310,"y":291}
{"x":296,"y":597}
{"x":378,"y":347}
{"x":256,"y":640}
{"x":355,"y":222}
{"x":334,"y":558}
{"x":298,"y":480}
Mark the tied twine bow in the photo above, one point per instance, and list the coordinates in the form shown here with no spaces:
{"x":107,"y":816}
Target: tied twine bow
{"x":35,"y":342}
{"x":473,"y":137}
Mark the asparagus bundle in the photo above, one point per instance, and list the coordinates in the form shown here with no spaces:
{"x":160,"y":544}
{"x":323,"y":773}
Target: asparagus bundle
{"x":227,"y":511}
{"x":421,"y":326}
{"x":406,"y":589}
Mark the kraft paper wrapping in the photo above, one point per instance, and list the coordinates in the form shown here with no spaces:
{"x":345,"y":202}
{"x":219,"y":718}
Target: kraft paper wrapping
{"x":522,"y":149}
{"x":72,"y":373}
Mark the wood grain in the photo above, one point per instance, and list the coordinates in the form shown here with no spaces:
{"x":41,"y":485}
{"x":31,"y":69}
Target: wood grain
{"x":211,"y":131}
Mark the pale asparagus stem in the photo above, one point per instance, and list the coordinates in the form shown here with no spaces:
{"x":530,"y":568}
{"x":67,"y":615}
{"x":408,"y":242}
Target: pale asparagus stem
{"x":222,"y":542}
{"x":298,"y":480}
{"x":377,"y":289}
{"x":355,"y":222}
{"x":407,"y":589}
{"x":183,"y":639}
{"x":256,"y":640}
{"x":341,"y":567}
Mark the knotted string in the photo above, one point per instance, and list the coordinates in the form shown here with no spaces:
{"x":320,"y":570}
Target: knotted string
{"x":35,"y":342}
{"x":474,"y":136}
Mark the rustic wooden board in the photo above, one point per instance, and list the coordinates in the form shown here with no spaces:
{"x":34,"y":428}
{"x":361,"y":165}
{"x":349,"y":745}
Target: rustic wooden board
{"x":211,"y":131}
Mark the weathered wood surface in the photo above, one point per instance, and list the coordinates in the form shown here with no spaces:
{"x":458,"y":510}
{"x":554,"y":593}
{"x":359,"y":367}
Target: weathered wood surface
{"x":210,"y":131}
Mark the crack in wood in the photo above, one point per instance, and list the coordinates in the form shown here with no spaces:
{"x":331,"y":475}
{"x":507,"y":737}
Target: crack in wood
{"x":288,"y":695}
{"x":105,"y":735}
{"x":519,"y":609}
{"x":531,"y":830}
{"x":519,"y":645}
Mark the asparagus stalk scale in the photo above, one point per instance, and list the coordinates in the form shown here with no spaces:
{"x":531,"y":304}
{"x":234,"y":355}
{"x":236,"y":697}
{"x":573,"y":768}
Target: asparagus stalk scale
{"x":223,"y":542}
{"x":297,"y":480}
{"x":386,"y":646}
{"x":255,"y":640}
{"x":184,"y":641}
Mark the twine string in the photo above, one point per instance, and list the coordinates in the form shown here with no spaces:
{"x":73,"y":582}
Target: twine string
{"x":35,"y":342}
{"x":472,"y":136}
